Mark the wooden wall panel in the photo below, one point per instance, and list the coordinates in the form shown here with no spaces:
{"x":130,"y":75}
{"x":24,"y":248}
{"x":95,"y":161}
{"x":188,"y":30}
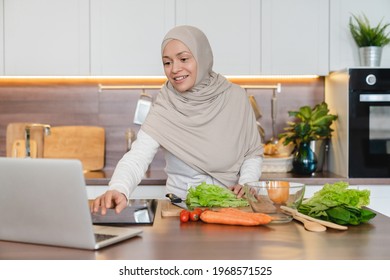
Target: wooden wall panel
{"x":74,"y":105}
{"x":83,"y":104}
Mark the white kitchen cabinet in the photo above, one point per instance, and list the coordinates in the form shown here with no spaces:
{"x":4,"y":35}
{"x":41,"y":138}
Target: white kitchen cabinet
{"x":295,"y":37}
{"x":233,"y":29}
{"x":343,"y":49}
{"x":126,"y":36}
{"x":123,"y":37}
{"x":263,"y":36}
{"x":46,"y":37}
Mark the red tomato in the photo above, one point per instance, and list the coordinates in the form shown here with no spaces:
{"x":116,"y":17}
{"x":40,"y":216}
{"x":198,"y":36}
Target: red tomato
{"x":184,"y":216}
{"x":194,"y":215}
{"x":198,"y":210}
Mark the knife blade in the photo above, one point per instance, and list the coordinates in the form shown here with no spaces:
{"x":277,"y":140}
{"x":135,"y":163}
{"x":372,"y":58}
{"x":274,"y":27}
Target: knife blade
{"x":175,"y":200}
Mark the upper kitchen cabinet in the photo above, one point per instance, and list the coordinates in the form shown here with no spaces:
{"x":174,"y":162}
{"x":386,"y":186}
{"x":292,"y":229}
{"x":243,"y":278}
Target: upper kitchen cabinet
{"x":233,"y":29}
{"x":46,"y":37}
{"x":126,"y":36}
{"x":295,"y":37}
{"x":343,"y":49}
{"x":263,"y":36}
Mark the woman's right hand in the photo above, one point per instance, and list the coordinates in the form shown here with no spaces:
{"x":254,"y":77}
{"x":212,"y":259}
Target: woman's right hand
{"x":110,"y":199}
{"x":238,"y":190}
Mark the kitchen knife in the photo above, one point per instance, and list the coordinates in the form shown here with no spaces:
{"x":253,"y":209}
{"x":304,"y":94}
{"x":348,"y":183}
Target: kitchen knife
{"x":175,"y":200}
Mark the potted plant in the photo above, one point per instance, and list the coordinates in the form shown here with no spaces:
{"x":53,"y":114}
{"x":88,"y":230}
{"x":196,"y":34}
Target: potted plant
{"x":312,"y":124}
{"x":370,"y":40}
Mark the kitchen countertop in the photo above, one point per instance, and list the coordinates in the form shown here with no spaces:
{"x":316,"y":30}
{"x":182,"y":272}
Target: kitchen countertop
{"x":168,"y":239}
{"x":158,"y":177}
{"x":152,"y":177}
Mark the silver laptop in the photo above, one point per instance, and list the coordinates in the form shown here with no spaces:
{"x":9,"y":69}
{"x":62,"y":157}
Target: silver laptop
{"x":44,"y":201}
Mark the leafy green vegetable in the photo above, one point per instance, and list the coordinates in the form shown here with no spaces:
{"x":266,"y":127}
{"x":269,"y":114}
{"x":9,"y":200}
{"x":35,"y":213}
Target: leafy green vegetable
{"x":207,"y":195}
{"x":336,"y":203}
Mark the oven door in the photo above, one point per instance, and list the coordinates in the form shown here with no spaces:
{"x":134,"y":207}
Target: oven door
{"x":369,"y":134}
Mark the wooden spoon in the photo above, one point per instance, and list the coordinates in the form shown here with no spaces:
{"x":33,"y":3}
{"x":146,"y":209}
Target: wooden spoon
{"x":309,"y":225}
{"x":294,"y":212}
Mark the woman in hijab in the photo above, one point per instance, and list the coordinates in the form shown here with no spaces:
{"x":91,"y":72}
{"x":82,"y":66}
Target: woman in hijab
{"x":203,"y":122}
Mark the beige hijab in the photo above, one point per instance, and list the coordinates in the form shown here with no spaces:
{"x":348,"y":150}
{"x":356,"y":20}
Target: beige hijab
{"x":211,"y":127}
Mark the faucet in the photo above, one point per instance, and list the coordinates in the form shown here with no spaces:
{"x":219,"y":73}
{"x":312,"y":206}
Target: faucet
{"x":27,"y":130}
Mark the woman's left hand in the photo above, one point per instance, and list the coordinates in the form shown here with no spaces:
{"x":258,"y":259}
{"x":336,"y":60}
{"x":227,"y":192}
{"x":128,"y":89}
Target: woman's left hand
{"x":238,"y":190}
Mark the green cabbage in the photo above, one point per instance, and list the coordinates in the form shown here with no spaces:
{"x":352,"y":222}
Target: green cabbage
{"x":207,"y":195}
{"x":338,"y":204}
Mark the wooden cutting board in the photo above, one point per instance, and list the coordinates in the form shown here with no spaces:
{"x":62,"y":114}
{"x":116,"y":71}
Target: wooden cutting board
{"x":86,"y":143}
{"x":169,"y":210}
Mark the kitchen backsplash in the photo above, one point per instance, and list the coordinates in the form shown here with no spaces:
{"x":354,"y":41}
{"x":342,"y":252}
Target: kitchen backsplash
{"x":82,"y":103}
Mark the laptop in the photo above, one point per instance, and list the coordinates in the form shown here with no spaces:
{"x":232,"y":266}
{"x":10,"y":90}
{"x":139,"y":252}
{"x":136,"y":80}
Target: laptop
{"x":44,"y":201}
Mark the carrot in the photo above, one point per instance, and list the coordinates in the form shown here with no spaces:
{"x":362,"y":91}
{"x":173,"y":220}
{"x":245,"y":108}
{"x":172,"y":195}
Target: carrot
{"x":260,"y":217}
{"x":215,"y":217}
{"x":233,"y":218}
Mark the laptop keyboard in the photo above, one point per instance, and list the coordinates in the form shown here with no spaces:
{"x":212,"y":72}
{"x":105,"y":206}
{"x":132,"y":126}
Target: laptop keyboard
{"x":101,"y":237}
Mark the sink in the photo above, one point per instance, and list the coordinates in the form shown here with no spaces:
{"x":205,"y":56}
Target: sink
{"x":138,"y":212}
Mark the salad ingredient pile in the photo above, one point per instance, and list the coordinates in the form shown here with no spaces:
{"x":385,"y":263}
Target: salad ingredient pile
{"x":339,"y":204}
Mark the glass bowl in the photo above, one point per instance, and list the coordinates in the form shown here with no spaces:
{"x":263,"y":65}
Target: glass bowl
{"x":267,"y":197}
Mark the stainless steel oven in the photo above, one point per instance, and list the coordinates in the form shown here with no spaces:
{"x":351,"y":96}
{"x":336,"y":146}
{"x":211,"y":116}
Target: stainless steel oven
{"x":364,"y":105}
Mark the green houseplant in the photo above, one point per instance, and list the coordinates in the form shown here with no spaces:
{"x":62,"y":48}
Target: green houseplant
{"x":365,"y":35}
{"x":311,"y":124}
{"x":369,"y":39}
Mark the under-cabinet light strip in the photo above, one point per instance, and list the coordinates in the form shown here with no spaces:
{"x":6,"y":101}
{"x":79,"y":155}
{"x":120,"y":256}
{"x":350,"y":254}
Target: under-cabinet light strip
{"x":120,"y":87}
{"x":149,"y":82}
{"x":124,"y":87}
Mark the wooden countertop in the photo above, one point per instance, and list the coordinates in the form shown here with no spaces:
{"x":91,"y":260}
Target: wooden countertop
{"x":168,"y":239}
{"x":152,"y":177}
{"x":159,"y":177}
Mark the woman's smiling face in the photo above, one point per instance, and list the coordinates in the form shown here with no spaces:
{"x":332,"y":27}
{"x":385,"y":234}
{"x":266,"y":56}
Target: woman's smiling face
{"x":180,"y":66}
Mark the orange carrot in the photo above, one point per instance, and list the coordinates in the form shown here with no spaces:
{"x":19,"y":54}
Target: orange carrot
{"x":260,"y":217}
{"x":232,"y":218}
